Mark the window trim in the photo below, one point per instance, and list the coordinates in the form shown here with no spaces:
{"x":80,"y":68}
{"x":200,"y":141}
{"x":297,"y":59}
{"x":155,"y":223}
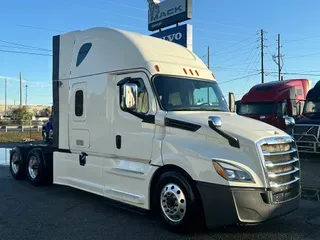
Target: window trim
{"x":75,"y":103}
{"x":83,"y":45}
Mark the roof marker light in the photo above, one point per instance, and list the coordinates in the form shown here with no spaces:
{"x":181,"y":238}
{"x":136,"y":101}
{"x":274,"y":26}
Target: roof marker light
{"x":191,"y":71}
{"x":196,"y":72}
{"x":185,"y":71}
{"x":157,"y":68}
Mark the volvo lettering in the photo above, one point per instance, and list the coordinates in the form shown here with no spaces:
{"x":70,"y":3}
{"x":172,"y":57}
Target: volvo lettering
{"x":173,"y":37}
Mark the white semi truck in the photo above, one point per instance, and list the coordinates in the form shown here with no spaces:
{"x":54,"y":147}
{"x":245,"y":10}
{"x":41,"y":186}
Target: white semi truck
{"x":142,"y":121}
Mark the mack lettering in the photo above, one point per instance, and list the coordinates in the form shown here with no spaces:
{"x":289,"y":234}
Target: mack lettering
{"x":165,"y":14}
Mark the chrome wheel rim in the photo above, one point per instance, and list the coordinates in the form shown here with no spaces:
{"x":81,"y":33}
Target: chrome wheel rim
{"x":173,"y":202}
{"x":33,"y":167}
{"x":44,"y":136}
{"x":15,"y":163}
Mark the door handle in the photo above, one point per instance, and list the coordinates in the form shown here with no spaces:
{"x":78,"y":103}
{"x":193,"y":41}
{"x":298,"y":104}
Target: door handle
{"x":118,"y":141}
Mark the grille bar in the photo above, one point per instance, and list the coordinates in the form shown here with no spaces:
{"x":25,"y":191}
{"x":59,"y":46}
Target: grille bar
{"x":274,"y":175}
{"x":277,"y":185}
{"x":271,"y":164}
{"x":282,"y":167}
{"x":279,"y":153}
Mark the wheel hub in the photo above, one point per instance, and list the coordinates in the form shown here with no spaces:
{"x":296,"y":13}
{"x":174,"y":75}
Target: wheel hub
{"x":173,"y":202}
{"x":15,"y":163}
{"x":33,"y":167}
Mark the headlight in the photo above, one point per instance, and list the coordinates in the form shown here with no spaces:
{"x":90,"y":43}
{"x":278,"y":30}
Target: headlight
{"x":231,"y":172}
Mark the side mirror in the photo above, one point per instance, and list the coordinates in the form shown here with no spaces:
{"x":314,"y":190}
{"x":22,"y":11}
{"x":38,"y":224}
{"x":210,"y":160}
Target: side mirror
{"x":232,"y":102}
{"x":289,"y":121}
{"x":215,"y":121}
{"x":130,"y":96}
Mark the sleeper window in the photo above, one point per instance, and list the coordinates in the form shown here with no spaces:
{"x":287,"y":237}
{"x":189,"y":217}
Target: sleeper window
{"x":79,"y":103}
{"x":85,"y":48}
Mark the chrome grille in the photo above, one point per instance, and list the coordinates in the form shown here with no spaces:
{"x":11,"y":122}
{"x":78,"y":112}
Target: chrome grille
{"x":282,"y":167}
{"x":307,"y":138}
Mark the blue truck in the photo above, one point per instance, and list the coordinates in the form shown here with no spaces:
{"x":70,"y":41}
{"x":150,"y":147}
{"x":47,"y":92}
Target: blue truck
{"x":47,"y":131}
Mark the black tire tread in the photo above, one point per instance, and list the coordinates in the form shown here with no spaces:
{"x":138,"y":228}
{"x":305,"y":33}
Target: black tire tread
{"x":192,"y":221}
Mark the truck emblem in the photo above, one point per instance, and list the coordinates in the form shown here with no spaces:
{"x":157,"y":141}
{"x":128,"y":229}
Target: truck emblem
{"x":280,"y":140}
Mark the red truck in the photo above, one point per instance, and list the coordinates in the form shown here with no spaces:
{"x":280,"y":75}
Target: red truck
{"x":277,"y":103}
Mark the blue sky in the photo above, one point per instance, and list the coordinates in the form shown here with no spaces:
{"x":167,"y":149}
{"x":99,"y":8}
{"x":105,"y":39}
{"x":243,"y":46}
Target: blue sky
{"x":230,"y":27}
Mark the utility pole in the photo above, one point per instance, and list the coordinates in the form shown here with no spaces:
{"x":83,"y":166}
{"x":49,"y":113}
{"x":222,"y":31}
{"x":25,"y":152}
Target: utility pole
{"x":20,"y":89}
{"x":26,"y":94}
{"x":5,"y":98}
{"x":262,"y":57}
{"x":208,"y":55}
{"x":279,"y":56}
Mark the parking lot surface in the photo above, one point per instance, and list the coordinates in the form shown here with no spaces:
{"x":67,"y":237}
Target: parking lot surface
{"x":57,"y":212}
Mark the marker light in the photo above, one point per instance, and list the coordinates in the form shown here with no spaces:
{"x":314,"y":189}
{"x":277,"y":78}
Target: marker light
{"x":196,"y":72}
{"x":157,"y":68}
{"x":231,"y":172}
{"x":191,"y":71}
{"x":185,"y":71}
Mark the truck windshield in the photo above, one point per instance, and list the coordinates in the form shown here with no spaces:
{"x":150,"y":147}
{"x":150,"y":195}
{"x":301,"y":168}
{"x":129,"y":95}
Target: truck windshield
{"x":311,"y":107}
{"x":259,"y":108}
{"x":186,"y":94}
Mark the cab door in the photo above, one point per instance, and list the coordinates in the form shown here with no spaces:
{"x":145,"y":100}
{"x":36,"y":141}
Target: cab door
{"x":134,"y":130}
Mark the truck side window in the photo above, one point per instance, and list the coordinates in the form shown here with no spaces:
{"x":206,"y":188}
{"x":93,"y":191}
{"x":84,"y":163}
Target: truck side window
{"x":143,"y":97}
{"x":79,"y":103}
{"x":85,"y":48}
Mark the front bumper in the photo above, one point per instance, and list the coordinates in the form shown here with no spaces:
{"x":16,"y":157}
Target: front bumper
{"x":225,"y":205}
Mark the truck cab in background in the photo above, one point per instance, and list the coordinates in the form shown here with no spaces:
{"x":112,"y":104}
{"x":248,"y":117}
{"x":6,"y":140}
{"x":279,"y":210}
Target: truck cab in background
{"x":307,"y":128}
{"x":277,"y":103}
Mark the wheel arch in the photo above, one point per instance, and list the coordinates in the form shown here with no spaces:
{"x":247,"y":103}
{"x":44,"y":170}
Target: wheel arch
{"x":166,"y":168}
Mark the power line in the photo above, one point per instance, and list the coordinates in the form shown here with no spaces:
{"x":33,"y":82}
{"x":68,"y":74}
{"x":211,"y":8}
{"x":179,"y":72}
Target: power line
{"x":28,"y":53}
{"x":23,"y":45}
{"x":235,"y":79}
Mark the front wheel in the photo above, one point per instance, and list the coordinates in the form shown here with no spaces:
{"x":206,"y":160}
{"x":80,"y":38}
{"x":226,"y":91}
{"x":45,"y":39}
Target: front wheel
{"x":176,"y":203}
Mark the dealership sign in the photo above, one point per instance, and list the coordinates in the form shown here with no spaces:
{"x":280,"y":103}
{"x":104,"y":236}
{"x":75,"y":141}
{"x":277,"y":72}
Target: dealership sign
{"x":181,"y":35}
{"x":168,"y":12}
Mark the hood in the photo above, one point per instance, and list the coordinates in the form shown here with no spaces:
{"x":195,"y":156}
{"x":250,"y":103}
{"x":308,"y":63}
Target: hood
{"x":232,"y":123}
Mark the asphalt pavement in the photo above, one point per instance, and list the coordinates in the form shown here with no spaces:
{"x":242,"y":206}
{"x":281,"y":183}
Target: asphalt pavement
{"x":57,"y":212}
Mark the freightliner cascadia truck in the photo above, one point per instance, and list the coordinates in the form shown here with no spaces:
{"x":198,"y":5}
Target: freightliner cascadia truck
{"x":143,"y":122}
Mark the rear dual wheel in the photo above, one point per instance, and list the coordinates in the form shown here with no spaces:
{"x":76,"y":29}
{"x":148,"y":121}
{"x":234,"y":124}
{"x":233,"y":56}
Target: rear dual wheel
{"x":35,"y":167}
{"x":177,"y":204}
{"x":17,"y":168}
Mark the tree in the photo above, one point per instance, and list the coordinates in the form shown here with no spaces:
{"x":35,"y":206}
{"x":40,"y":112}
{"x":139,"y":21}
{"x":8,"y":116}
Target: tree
{"x":21,"y":114}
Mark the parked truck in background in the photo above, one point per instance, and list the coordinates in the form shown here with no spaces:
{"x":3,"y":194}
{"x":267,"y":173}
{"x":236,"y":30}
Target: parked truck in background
{"x":143,"y":121}
{"x":278,"y":103}
{"x":307,"y":128}
{"x":47,"y":131}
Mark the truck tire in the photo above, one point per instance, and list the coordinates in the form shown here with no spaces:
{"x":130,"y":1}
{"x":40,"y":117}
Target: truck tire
{"x":176,"y":203}
{"x":35,"y":167}
{"x":16,"y":167}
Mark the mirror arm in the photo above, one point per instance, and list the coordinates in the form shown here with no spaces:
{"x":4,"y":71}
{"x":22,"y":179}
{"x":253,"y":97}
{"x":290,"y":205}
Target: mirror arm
{"x":234,"y":142}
